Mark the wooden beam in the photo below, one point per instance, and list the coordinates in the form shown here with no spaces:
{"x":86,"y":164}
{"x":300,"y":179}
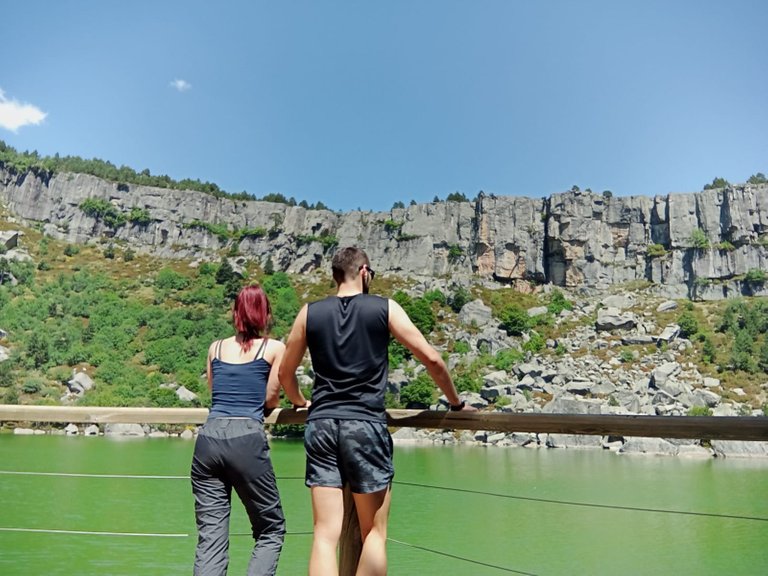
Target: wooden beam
{"x":702,"y":427}
{"x":351,"y":541}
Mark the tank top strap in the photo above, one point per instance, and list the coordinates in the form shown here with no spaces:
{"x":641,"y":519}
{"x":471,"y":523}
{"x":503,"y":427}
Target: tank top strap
{"x":218,"y":350}
{"x":262,"y":349}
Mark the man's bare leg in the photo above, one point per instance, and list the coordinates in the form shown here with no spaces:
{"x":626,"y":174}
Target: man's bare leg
{"x":328,"y":514}
{"x":373,"y":514}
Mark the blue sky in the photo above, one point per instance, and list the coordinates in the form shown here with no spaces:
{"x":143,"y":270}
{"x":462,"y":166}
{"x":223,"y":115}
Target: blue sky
{"x":361,"y":104}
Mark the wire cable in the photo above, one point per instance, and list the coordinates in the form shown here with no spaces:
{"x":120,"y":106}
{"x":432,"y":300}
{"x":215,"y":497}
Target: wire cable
{"x":584,"y":504}
{"x":431,"y":486}
{"x":139,"y":534}
{"x":455,"y":557}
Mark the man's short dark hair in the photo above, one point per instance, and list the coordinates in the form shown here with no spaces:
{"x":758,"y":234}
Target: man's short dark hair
{"x":346,"y":263}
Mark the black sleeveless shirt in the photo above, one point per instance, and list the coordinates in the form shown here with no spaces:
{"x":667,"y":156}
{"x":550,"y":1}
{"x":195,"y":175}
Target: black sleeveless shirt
{"x":347,"y":339}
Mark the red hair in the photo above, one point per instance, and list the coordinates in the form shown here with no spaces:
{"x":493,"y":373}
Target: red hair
{"x":251,"y":314}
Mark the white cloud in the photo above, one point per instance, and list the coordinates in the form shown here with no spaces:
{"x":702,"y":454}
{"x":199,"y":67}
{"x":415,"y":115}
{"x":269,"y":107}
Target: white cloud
{"x":14,"y":114}
{"x":181,"y":85}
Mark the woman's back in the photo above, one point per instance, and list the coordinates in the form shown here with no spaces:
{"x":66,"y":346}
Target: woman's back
{"x":239,"y":378}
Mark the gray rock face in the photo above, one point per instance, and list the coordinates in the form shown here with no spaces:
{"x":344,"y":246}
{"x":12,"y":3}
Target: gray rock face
{"x":569,"y":239}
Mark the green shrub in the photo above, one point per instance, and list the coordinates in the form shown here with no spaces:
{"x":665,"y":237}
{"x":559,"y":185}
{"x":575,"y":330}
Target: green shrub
{"x":502,"y":401}
{"x":397,"y":354}
{"x":168,"y":279}
{"x":535,"y":344}
{"x":468,"y":382}
{"x":103,"y":210}
{"x":435,"y":295}
{"x":700,"y":411}
{"x":558,"y":302}
{"x":717,"y":183}
{"x":742,"y":352}
{"x":507,"y":358}
{"x":32,"y":385}
{"x":392,"y":226}
{"x":221,"y":231}
{"x":460,"y":347}
{"x":725,"y":246}
{"x":257,"y":232}
{"x":708,"y":350}
{"x":139,"y":216}
{"x":626,"y":356}
{"x":699,"y":239}
{"x":514,"y":320}
{"x":459,"y":297}
{"x":420,"y":391}
{"x":456,"y":197}
{"x":688,"y":324}
{"x":656,"y":250}
{"x":755,"y":276}
{"x":455,"y":252}
{"x":6,"y":374}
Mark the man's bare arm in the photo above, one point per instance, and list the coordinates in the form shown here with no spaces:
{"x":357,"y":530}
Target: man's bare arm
{"x":294,"y":352}
{"x":408,"y":335}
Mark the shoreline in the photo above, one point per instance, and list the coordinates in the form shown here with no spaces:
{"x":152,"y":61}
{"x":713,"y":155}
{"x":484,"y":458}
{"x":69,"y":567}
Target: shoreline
{"x":423,"y":437}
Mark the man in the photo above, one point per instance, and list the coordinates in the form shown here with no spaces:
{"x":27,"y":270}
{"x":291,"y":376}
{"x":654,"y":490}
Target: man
{"x":346,"y":436}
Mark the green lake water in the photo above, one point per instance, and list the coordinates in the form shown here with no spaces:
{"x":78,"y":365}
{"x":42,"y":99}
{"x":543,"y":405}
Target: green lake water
{"x":514,"y":510}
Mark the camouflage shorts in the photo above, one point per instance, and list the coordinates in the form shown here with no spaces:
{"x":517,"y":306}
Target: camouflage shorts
{"x":354,"y":452}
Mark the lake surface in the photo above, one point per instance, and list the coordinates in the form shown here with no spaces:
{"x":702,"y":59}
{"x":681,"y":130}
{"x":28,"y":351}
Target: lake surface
{"x":489,"y":511}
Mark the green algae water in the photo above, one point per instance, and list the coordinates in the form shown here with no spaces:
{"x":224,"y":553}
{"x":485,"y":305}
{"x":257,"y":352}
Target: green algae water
{"x":456,"y":511}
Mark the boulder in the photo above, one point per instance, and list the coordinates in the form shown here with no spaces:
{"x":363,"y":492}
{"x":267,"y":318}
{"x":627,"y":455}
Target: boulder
{"x":475,"y":313}
{"x":80,"y":383}
{"x":667,"y":306}
{"x":574,"y":441}
{"x":642,"y":445}
{"x":669,"y":333}
{"x":739,"y":449}
{"x":609,"y":319}
{"x":619,"y":301}
{"x":122,"y":429}
{"x":662,"y":373}
{"x":537,"y":311}
{"x":185,"y":395}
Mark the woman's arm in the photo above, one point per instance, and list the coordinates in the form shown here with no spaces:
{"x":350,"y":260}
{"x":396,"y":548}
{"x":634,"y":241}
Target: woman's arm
{"x":273,"y":383}
{"x":208,"y":370}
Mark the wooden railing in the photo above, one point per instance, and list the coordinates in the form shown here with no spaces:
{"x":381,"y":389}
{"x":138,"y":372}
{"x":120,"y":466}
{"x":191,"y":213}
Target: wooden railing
{"x":703,"y":427}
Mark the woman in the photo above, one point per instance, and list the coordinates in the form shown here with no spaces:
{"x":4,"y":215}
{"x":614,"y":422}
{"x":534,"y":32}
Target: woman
{"x":231,"y":449}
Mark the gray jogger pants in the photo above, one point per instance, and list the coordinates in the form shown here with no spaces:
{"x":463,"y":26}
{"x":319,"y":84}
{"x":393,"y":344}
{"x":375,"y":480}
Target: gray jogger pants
{"x":233,"y":453}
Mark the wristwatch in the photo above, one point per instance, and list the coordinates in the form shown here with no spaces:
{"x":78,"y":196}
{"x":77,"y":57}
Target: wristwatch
{"x":458,"y":407}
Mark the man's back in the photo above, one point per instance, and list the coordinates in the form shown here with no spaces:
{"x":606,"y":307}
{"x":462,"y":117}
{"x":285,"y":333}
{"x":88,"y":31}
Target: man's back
{"x":347,"y":338}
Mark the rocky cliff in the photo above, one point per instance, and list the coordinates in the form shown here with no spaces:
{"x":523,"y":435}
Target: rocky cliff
{"x":700,"y":245}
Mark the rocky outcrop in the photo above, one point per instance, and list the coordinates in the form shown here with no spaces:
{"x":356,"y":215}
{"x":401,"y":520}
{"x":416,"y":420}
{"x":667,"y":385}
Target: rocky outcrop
{"x":699,"y":245}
